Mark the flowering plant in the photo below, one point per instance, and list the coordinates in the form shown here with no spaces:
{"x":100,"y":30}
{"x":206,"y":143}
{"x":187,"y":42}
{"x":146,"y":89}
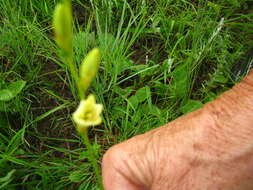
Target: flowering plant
{"x":88,"y":112}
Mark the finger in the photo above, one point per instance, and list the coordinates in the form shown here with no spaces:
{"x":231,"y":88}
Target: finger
{"x":114,"y":177}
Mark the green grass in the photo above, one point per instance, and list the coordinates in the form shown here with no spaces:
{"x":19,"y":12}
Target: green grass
{"x":160,"y":59}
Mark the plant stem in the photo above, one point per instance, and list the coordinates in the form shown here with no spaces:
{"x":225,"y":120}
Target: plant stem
{"x":73,"y":71}
{"x":92,"y":158}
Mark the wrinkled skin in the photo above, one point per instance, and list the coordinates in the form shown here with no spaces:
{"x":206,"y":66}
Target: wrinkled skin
{"x":209,"y":149}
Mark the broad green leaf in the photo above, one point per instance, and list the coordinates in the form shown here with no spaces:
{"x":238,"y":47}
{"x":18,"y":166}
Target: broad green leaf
{"x":76,"y":176}
{"x":155,"y":111}
{"x":83,"y":155}
{"x":180,"y":81}
{"x":12,"y":90}
{"x":143,"y":94}
{"x":140,"y":96}
{"x":190,"y":106}
{"x":220,"y":78}
{"x":133,"y":100}
{"x":210,"y":97}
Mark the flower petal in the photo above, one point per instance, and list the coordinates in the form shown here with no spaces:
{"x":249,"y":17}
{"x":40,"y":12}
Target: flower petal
{"x":88,"y":113}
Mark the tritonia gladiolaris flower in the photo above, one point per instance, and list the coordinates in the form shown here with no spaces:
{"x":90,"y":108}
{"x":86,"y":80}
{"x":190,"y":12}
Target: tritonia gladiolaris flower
{"x":87,"y":114}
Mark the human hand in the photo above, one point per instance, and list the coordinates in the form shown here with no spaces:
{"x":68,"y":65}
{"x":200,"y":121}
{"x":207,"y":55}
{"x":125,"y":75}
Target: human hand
{"x":209,"y":149}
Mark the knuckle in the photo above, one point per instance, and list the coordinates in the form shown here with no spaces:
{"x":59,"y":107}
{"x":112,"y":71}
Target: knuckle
{"x":125,"y":152}
{"x":113,"y":154}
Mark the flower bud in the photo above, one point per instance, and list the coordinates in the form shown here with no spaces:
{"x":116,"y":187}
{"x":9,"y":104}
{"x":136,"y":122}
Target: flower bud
{"x":62,"y":25}
{"x":89,"y":67}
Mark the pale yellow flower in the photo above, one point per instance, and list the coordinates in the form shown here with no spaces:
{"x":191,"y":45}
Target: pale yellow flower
{"x":87,"y":113}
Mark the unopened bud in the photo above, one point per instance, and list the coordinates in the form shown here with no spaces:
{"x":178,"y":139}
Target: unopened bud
{"x":89,"y":67}
{"x":62,"y":25}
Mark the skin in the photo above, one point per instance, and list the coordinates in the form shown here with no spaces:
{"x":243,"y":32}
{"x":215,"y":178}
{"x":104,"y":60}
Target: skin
{"x":208,"y":149}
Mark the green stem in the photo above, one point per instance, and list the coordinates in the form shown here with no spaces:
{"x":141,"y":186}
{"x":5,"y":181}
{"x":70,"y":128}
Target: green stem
{"x":92,"y":158}
{"x":74,"y":74}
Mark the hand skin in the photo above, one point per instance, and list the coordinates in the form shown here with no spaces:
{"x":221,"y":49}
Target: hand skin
{"x":208,"y":149}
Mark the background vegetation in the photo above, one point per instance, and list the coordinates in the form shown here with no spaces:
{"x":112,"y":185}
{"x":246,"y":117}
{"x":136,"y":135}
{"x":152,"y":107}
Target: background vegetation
{"x":160,"y":59}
